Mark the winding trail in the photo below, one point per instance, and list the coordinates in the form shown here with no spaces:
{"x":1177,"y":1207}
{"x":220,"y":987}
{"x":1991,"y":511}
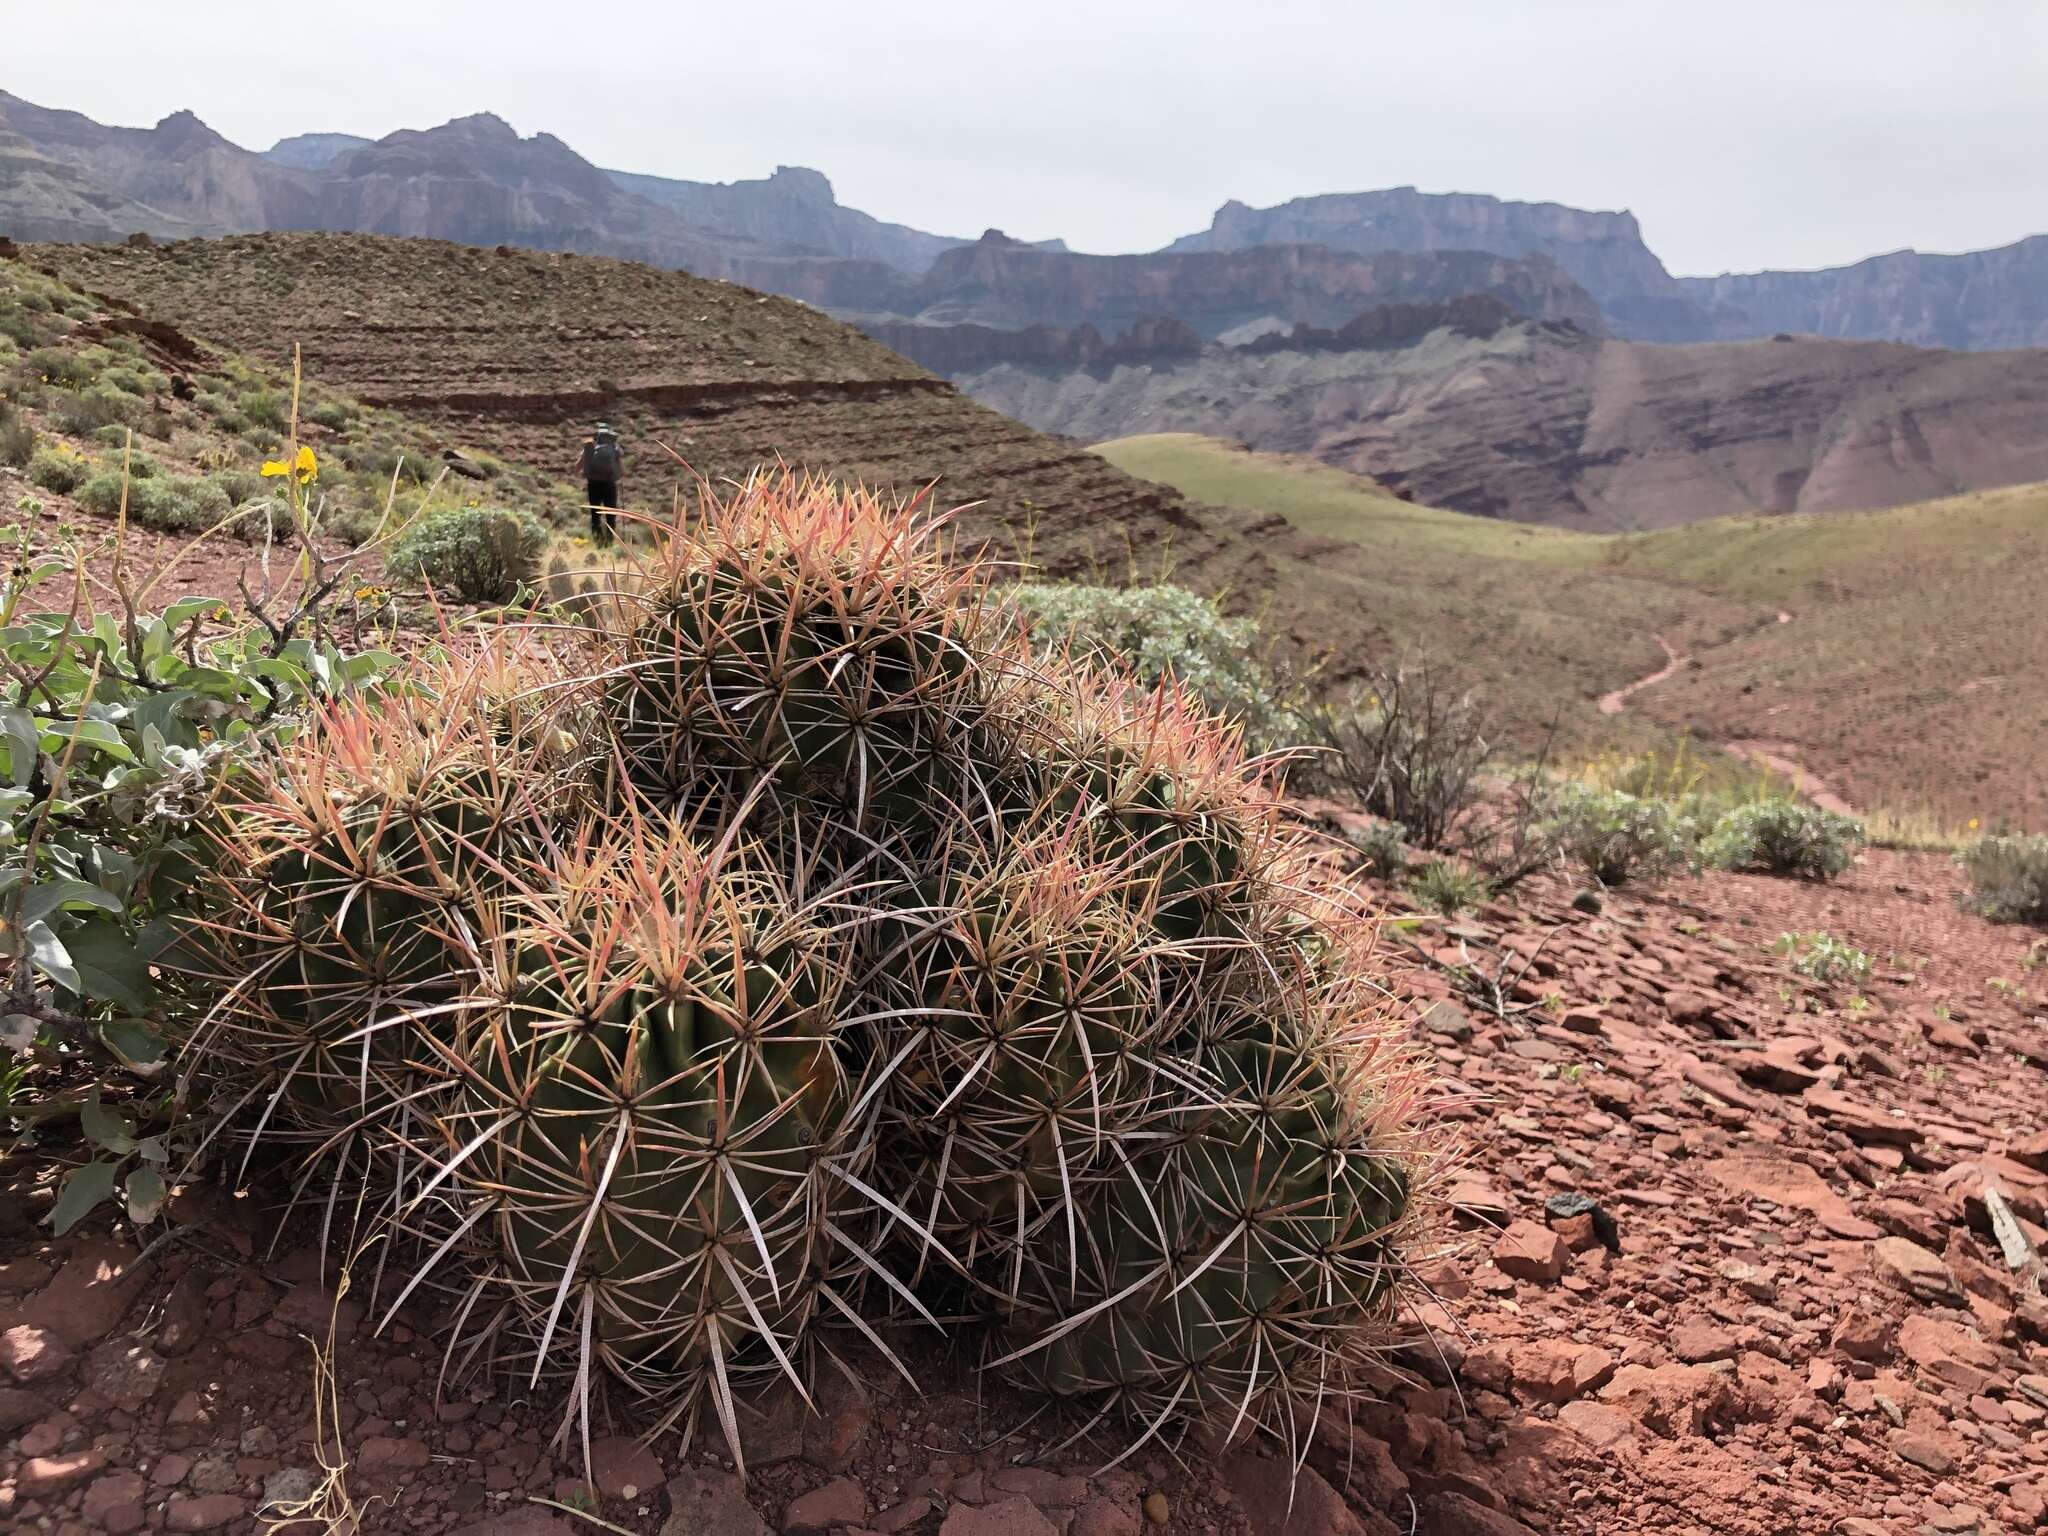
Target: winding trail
{"x":1614,"y":703}
{"x":1774,"y":756}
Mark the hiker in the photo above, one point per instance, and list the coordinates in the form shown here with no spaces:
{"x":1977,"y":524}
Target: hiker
{"x":600,"y":465}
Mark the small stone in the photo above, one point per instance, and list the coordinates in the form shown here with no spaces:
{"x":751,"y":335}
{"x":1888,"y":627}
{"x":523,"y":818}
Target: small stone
{"x":41,"y":1476}
{"x":622,"y":1467}
{"x":1155,"y":1508}
{"x":31,"y":1354}
{"x":385,"y":1453}
{"x":1862,"y":1335}
{"x":1012,"y":1517}
{"x":1912,"y":1268}
{"x":114,"y":1503}
{"x":1922,"y":1452}
{"x":840,"y":1502}
{"x":1599,"y":1426}
{"x":1570,"y":1205}
{"x":289,"y":1485}
{"x":1697,"y":1341}
{"x":1110,"y":1517}
{"x":1447,"y":1020}
{"x":708,"y":1503}
{"x":1529,"y":1252}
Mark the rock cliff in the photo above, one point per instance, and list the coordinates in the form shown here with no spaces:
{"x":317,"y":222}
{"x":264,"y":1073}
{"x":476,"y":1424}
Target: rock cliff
{"x":1603,"y":252}
{"x":1543,"y":426}
{"x":1981,"y":300}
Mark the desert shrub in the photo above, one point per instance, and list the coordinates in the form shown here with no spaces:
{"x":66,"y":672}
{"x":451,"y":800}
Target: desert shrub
{"x":1382,"y":849}
{"x":477,"y":554}
{"x":1158,"y":632}
{"x":1824,"y":957}
{"x":265,"y":408}
{"x":2008,"y":878}
{"x":1783,"y":837}
{"x":98,"y":406}
{"x":170,"y":503}
{"x":20,"y":328}
{"x":1446,"y":886}
{"x":815,"y":892}
{"x":58,"y":467}
{"x":1408,"y":745}
{"x":147,"y":717}
{"x":239,"y":485}
{"x":62,"y":367}
{"x":331,"y":414}
{"x":1617,"y":837}
{"x":134,"y":381}
{"x":17,"y":439}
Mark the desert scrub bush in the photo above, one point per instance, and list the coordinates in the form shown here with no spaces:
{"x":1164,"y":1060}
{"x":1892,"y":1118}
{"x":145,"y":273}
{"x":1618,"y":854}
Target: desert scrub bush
{"x":1823,"y":957}
{"x":58,"y":467}
{"x":239,"y":485}
{"x":169,"y":503}
{"x":109,"y":767}
{"x":477,"y":554}
{"x":61,"y":366}
{"x":97,"y":406}
{"x":265,"y":408}
{"x":1382,"y":849}
{"x":825,"y":904}
{"x":1783,"y":837}
{"x":17,"y":439}
{"x":331,"y":414}
{"x":1158,"y":632}
{"x":1617,"y":837}
{"x":2008,"y":878}
{"x":1408,"y":745}
{"x":131,"y":380}
{"x":1446,"y":886}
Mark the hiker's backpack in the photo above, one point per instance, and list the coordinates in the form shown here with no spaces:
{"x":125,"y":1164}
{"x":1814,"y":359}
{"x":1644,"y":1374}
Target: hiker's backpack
{"x":602,"y":462}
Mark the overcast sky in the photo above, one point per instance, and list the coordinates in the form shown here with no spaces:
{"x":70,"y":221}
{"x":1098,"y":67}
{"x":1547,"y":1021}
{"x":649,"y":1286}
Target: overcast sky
{"x":1793,"y":133}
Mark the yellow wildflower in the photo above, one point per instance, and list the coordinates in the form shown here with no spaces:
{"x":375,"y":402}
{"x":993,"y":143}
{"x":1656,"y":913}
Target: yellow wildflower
{"x":304,"y":469}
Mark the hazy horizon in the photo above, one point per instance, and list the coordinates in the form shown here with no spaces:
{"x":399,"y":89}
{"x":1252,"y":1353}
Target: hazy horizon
{"x":1850,"y":135}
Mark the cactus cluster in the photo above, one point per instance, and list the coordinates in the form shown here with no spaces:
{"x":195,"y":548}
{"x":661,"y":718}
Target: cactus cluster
{"x":778,"y":945}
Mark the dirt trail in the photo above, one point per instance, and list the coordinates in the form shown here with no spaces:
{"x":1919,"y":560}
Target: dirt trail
{"x":1773,"y":755}
{"x":1614,"y":703}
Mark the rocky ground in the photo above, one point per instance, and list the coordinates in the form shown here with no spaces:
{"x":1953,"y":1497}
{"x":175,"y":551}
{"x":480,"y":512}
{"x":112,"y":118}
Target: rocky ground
{"x":1734,"y":1252}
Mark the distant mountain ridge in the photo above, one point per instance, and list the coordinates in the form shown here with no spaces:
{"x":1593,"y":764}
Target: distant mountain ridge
{"x":476,"y":180}
{"x":1603,"y":252}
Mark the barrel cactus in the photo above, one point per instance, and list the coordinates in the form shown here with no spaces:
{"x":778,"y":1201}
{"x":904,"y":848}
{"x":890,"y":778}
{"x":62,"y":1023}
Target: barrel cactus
{"x":786,"y":946}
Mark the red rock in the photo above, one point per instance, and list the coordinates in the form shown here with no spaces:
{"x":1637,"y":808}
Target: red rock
{"x":1923,"y":1452}
{"x":1672,"y":1400}
{"x":2031,"y":1150}
{"x":1558,"y":1370}
{"x":1598,"y":1425}
{"x":1275,"y":1506}
{"x":1905,"y":1264}
{"x":703,"y":1502}
{"x":90,"y":1294}
{"x":384,"y":1453}
{"x":901,"y":1517}
{"x":1048,"y":1490}
{"x":833,"y":1435}
{"x":207,"y":1513}
{"x":622,"y":1467}
{"x":125,"y":1372}
{"x":1861,"y":1334}
{"x":18,"y":1408}
{"x":114,"y":1503}
{"x":1452,"y":1514}
{"x":840,"y":1502}
{"x":31,"y":1354}
{"x":1530,"y":1252}
{"x":1860,"y":1122}
{"x":1698,"y":1340}
{"x":41,"y":1476}
{"x":1106,"y":1517}
{"x":1948,"y":1354}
